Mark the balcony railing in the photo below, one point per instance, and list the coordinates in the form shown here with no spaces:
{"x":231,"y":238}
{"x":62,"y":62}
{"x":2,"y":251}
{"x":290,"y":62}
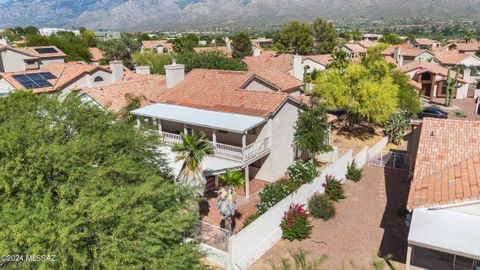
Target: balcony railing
{"x":249,"y":153}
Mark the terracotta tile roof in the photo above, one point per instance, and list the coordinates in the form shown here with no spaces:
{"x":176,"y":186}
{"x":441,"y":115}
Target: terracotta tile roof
{"x":65,"y":74}
{"x":96,"y":53}
{"x":405,"y":50}
{"x":220,"y":90}
{"x":422,"y":66}
{"x":148,"y":87}
{"x":471,"y":46}
{"x":425,"y":41}
{"x":322,"y":59}
{"x":355,"y":48}
{"x":367,"y":44}
{"x":450,"y":58}
{"x":222,"y":49}
{"x":31,"y":52}
{"x":447,"y":166}
{"x":280,"y":80}
{"x":152,"y":44}
{"x":270,"y":60}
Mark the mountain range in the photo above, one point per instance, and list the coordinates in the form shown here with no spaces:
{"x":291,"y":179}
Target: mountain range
{"x":163,"y":14}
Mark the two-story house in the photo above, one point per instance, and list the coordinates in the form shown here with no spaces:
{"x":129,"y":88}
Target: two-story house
{"x":159,"y":46}
{"x":13,"y":59}
{"x":400,"y":55}
{"x":248,"y":117}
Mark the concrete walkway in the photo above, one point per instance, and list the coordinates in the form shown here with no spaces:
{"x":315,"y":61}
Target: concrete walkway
{"x":366,"y":224}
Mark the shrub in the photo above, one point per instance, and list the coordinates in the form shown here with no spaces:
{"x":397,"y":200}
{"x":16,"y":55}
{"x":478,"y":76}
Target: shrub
{"x":295,"y":223}
{"x":353,"y":172}
{"x":273,"y":193}
{"x":334,"y":189}
{"x":250,"y":219}
{"x":303,"y":172}
{"x":461,"y":114}
{"x":395,"y":127}
{"x":320,"y":206}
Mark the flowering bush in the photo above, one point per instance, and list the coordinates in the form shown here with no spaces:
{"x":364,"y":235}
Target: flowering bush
{"x":303,"y":172}
{"x":295,"y":223}
{"x":321,"y":206}
{"x":334,"y":189}
{"x":273,"y":193}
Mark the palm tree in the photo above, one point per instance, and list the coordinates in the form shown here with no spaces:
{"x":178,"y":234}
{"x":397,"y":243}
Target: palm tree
{"x":193,"y":149}
{"x":226,"y":204}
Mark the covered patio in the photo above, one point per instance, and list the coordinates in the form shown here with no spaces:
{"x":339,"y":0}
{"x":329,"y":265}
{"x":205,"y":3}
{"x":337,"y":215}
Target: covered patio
{"x":443,"y":238}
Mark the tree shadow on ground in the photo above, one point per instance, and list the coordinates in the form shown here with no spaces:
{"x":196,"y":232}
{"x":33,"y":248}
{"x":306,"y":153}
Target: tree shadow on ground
{"x":394,"y":240}
{"x":363,"y":131}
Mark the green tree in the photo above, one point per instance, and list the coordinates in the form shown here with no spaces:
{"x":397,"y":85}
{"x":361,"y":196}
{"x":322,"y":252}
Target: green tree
{"x":120,"y":49}
{"x":241,"y":45}
{"x":30,"y":30}
{"x":312,"y":129}
{"x":326,"y":37}
{"x":340,"y":60}
{"x":226,"y":204}
{"x":185,"y":43}
{"x":408,"y":96}
{"x":364,"y":93}
{"x":297,"y":37}
{"x":469,"y":35}
{"x":391,"y":38}
{"x":193,"y":149}
{"x":396,"y":126}
{"x":78,"y":184}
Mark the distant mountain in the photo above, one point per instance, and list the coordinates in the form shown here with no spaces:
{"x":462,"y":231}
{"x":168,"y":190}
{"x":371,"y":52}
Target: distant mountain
{"x":156,"y":14}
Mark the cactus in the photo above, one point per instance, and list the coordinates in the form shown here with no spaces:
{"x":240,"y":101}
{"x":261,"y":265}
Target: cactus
{"x":451,"y":87}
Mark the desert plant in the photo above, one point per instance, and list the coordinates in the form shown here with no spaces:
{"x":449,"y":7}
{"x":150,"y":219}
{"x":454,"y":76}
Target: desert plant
{"x":301,"y":262}
{"x":395,"y":127}
{"x":451,"y":87}
{"x":320,"y":206}
{"x":226,"y":204}
{"x":296,"y":223}
{"x":334,"y":189}
{"x":303,"y":172}
{"x":460,"y":114}
{"x":353,"y":172}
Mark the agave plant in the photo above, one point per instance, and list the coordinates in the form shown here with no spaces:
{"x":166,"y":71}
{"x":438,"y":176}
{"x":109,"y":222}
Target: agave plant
{"x":226,"y":204}
{"x":193,"y":149}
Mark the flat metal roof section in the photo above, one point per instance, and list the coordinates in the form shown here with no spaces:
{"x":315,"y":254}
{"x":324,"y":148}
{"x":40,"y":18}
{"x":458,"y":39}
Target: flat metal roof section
{"x":446,"y":230}
{"x":212,"y":119}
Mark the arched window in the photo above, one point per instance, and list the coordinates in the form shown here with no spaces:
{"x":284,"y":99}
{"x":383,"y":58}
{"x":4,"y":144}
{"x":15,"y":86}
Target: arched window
{"x":98,"y":79}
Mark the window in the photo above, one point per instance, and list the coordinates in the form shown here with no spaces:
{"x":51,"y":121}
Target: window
{"x":444,"y":88}
{"x":98,"y":79}
{"x":426,"y":76}
{"x":473,"y":71}
{"x":30,"y":62}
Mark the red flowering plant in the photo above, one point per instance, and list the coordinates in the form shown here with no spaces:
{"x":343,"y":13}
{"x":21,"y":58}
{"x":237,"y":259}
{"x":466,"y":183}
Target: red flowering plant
{"x":334,"y":188}
{"x":296,"y":223}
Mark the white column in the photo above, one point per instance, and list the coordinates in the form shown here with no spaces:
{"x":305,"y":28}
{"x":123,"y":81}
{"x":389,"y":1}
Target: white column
{"x":159,"y":124}
{"x":185,"y":128}
{"x":138,"y":123}
{"x":409,"y":257}
{"x":247,"y":183}
{"x":214,"y":136}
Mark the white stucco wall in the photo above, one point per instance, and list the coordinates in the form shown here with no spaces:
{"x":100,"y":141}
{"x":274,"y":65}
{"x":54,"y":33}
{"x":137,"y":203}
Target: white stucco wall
{"x":462,"y":91}
{"x":13,"y":61}
{"x":425,"y":56}
{"x":282,"y":154}
{"x":258,"y":85}
{"x":46,"y":62}
{"x":5,"y":87}
{"x":313,"y":66}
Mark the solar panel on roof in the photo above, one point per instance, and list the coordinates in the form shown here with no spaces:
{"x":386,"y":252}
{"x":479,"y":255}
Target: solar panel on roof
{"x":45,"y":50}
{"x":34,"y":80}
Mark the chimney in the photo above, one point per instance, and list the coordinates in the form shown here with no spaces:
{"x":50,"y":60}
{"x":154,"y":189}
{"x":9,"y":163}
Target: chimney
{"x":397,"y":54}
{"x":228,"y":42}
{"x":175,"y":74}
{"x":145,"y":70}
{"x":298,"y":67}
{"x":117,"y":70}
{"x":257,"y":52}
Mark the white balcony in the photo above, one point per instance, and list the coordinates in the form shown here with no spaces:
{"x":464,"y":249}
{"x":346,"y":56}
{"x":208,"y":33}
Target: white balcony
{"x":244,"y":155}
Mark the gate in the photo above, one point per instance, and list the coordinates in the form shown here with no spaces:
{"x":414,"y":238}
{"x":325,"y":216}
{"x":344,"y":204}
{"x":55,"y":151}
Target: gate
{"x":210,"y":235}
{"x":398,"y":160}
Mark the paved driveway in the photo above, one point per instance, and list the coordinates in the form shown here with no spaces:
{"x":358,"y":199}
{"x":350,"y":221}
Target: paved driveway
{"x":366,"y":224}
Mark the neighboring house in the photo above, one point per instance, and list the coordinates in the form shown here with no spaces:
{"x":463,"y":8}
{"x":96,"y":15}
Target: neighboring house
{"x":470,"y":47}
{"x":159,"y":46}
{"x":97,"y":55}
{"x":14,"y":59}
{"x":400,"y":55}
{"x":262,"y":41}
{"x":223,"y":49}
{"x":444,"y":196}
{"x":425,"y":44}
{"x":295,"y":65}
{"x":62,"y":78}
{"x":249,"y":117}
{"x":371,"y":37}
{"x":468,"y":64}
{"x":353,"y":50}
{"x":51,"y":31}
{"x":4,"y":41}
{"x":433,"y":79}
{"x":106,"y":35}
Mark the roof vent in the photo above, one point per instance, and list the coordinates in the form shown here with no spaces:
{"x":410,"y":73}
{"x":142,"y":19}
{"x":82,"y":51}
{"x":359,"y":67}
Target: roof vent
{"x":432,"y":134}
{"x":451,"y":181}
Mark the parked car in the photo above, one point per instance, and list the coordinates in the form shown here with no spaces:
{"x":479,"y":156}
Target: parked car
{"x":433,"y":113}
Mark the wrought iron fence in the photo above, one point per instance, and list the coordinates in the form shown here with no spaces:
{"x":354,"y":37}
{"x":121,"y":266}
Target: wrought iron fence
{"x":209,"y":234}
